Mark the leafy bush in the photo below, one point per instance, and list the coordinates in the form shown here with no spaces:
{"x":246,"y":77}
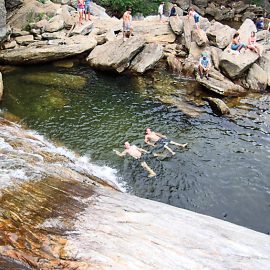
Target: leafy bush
{"x":118,"y":7}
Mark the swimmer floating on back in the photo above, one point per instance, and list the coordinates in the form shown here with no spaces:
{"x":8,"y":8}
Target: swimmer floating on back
{"x":160,"y":140}
{"x":136,"y":153}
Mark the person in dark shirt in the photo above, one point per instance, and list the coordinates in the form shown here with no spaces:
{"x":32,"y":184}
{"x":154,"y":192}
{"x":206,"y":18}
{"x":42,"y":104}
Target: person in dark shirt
{"x":260,"y":24}
{"x":173,"y":11}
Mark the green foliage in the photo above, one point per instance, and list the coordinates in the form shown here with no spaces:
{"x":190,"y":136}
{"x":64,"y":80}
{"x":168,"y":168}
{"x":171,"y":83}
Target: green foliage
{"x":118,"y":7}
{"x":42,"y":1}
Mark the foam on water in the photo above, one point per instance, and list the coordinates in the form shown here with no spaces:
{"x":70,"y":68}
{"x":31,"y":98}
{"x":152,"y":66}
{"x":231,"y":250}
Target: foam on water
{"x":20,"y":163}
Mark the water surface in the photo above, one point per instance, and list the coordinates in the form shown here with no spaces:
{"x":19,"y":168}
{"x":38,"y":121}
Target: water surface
{"x":223,"y":173}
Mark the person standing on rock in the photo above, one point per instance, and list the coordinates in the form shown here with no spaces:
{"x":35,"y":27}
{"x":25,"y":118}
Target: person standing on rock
{"x":136,"y":153}
{"x":193,"y":14}
{"x":127,"y":24}
{"x":80,"y":8}
{"x":260,"y":24}
{"x":161,"y":11}
{"x":173,"y":11}
{"x":158,"y":140}
{"x":204,"y":66}
{"x":87,"y":10}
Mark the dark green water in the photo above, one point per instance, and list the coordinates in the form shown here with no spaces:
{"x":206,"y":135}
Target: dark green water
{"x":223,"y":173}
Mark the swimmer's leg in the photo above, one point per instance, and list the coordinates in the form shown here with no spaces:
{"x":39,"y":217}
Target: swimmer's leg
{"x":178,"y":144}
{"x":148,"y":169}
{"x":169,"y":149}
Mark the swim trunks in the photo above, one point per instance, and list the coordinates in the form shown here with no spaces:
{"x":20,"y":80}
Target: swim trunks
{"x":126,"y":26}
{"x":162,"y":142}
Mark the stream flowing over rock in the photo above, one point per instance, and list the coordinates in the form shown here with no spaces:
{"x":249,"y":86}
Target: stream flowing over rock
{"x":55,"y":214}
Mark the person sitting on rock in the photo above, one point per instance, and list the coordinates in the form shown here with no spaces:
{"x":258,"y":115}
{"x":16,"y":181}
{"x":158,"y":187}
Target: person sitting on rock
{"x":204,"y":66}
{"x":160,"y":11}
{"x":195,"y":15}
{"x":173,"y":11}
{"x":236,"y":44}
{"x":136,"y":153}
{"x":80,"y":8}
{"x":253,"y":45}
{"x":260,"y":24}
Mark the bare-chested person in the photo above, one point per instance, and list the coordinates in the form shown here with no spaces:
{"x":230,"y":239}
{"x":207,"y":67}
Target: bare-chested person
{"x":136,"y":153}
{"x":157,"y":139}
{"x":127,"y":27}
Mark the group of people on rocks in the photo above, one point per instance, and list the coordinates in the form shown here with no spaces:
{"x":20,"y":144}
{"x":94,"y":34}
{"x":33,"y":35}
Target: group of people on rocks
{"x":155,"y":139}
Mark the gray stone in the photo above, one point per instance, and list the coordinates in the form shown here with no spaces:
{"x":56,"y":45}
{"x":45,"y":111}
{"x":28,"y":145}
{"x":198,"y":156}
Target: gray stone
{"x":63,"y":2}
{"x":239,"y":6}
{"x":10,"y":45}
{"x":147,"y":58}
{"x":115,"y":55}
{"x":218,"y":106}
{"x":220,"y":35}
{"x":84,"y":29}
{"x":183,"y":4}
{"x":43,"y":52}
{"x":211,"y":10}
{"x":55,"y":24}
{"x":262,"y":35}
{"x":201,"y":3}
{"x":248,"y":15}
{"x":52,"y":36}
{"x":1,"y":86}
{"x":12,"y":4}
{"x":3,"y":27}
{"x":224,"y":14}
{"x":215,"y":56}
{"x":18,"y":32}
{"x":25,"y":40}
{"x":199,"y":36}
{"x":245,"y":30}
{"x":220,"y":84}
{"x":264,"y":63}
{"x":176,"y":24}
{"x":234,"y":64}
{"x":257,"y":78}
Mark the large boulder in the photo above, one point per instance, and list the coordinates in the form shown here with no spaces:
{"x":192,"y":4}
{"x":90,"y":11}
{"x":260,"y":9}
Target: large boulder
{"x":115,"y":55}
{"x":188,"y":27}
{"x":234,"y":64}
{"x":147,"y":58}
{"x":31,"y":12}
{"x":264,"y":63}
{"x":152,"y":31}
{"x":199,"y":36}
{"x":239,"y":6}
{"x":220,"y":35}
{"x":220,"y":84}
{"x":215,"y":56}
{"x":1,"y":86}
{"x":176,"y":24}
{"x":55,"y":24}
{"x":41,"y":53}
{"x":224,"y":14}
{"x":257,"y":78}
{"x":245,"y":30}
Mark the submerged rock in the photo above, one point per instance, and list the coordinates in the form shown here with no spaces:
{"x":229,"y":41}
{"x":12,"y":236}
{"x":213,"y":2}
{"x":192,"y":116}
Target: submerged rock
{"x":218,"y":106}
{"x":56,"y":80}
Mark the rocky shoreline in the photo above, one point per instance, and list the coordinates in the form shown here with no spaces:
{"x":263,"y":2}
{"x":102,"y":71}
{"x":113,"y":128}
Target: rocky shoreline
{"x":44,"y":32}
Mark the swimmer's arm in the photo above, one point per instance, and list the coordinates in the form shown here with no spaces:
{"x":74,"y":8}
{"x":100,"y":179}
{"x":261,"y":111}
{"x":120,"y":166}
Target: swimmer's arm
{"x":146,"y":140}
{"x":161,"y":135}
{"x":120,"y":154}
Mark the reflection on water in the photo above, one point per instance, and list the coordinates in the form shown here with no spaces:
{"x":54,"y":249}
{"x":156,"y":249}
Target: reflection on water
{"x":224,"y":172}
